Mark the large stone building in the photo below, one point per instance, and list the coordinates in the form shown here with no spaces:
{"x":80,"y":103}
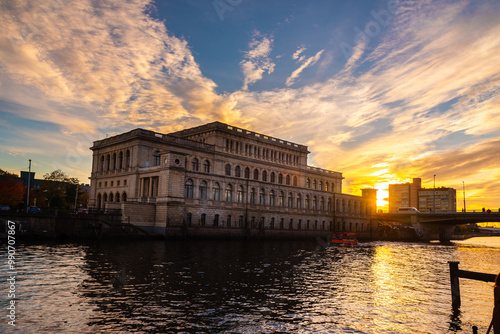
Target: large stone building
{"x":218,"y":179}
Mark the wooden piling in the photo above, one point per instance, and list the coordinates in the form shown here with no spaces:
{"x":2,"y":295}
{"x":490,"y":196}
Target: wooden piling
{"x":456,"y":273}
{"x":455,"y":286}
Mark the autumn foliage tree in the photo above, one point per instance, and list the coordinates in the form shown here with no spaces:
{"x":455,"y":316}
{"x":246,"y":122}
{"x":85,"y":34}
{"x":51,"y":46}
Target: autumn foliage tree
{"x":12,"y":190}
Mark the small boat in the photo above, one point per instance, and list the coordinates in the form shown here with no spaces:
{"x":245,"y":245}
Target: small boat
{"x":344,"y":238}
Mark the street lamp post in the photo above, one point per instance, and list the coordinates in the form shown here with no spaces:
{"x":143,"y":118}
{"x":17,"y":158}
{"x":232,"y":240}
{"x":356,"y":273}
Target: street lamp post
{"x":463,"y":183}
{"x":434,"y":209}
{"x":29,"y":187}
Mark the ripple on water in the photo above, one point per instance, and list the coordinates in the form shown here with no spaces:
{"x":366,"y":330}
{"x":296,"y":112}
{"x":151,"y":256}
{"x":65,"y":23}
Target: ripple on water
{"x":248,"y":287}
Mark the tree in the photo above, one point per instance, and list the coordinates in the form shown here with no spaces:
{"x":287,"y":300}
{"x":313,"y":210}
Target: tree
{"x":12,"y":192}
{"x":59,"y":189}
{"x":6,"y":175}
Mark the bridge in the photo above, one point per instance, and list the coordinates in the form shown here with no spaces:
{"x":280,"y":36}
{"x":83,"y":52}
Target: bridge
{"x":443,"y":223}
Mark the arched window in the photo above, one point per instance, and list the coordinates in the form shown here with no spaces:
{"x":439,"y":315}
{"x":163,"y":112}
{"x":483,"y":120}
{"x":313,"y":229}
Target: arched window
{"x":320,"y":185}
{"x":264,"y":176}
{"x":237,"y":171}
{"x":280,"y":178}
{"x":307,"y":202}
{"x":229,"y":193}
{"x":255,"y":174}
{"x":326,"y":186}
{"x":290,"y":200}
{"x":299,"y":201}
{"x":281,"y":199}
{"x":117,"y":197}
{"x":314,"y":184}
{"x":111,"y":197}
{"x":252,"y":196}
{"x":228,"y":169}
{"x":241,"y":194}
{"x":120,"y":160}
{"x":216,"y":220}
{"x":188,"y":193}
{"x":105,"y":198}
{"x":262,"y":197}
{"x":195,"y":165}
{"x":203,"y":190}
{"x":206,"y":166}
{"x":156,"y":158}
{"x":308,"y":183}
{"x":108,"y":162}
{"x":271,"y":198}
{"x":273,"y":177}
{"x":124,"y":197}
{"x":114,"y":161}
{"x":216,"y":192}
{"x":329,"y":204}
{"x":247,"y":173}
{"x":102,"y":164}
{"x":127,"y":159}
{"x":315,"y":203}
{"x":99,"y":199}
{"x":288,"y":180}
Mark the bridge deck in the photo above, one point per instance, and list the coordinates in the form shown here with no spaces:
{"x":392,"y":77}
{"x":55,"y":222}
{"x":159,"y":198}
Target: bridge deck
{"x":448,"y":218}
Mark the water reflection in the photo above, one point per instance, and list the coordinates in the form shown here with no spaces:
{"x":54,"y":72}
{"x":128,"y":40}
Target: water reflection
{"x":249,"y":287}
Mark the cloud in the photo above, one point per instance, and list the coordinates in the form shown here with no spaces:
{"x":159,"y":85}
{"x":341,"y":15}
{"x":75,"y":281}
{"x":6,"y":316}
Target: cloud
{"x":95,"y":68}
{"x":431,"y":76}
{"x":110,"y":58}
{"x":297,"y":53}
{"x":421,"y":98}
{"x":309,"y":62}
{"x":257,"y":60}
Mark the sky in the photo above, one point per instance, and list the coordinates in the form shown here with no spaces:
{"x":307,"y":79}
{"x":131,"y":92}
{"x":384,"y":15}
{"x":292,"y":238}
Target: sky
{"x":382,"y":91}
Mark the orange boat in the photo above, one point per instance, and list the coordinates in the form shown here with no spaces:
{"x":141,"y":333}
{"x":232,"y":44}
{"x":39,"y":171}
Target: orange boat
{"x":344,"y":238}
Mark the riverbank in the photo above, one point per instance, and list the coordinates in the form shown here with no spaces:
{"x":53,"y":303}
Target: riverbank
{"x":109,"y":226}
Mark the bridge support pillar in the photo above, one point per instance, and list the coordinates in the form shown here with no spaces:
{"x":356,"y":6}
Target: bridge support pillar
{"x":428,"y":231}
{"x":446,"y":232}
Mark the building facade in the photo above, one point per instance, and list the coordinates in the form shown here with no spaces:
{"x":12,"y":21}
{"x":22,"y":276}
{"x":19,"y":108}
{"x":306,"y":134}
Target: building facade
{"x":424,"y":199}
{"x":404,"y":195}
{"x":440,"y":200}
{"x":217,"y":179}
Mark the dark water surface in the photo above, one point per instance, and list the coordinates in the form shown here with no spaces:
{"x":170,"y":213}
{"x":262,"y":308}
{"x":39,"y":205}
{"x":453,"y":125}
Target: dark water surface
{"x":248,"y":287}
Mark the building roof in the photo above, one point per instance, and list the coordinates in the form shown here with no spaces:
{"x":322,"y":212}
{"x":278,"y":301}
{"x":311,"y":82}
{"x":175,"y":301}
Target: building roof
{"x":239,"y":132}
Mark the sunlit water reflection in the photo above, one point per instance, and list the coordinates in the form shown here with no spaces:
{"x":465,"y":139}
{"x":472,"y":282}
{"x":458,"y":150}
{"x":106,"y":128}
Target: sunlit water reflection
{"x":249,"y":287}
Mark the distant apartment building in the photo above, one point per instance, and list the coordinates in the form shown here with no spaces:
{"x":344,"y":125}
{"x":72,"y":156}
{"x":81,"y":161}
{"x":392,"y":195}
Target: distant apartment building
{"x":424,"y":199}
{"x":404,"y":195}
{"x":440,"y":200}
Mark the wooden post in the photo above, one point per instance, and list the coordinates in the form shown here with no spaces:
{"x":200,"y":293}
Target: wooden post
{"x":455,"y":273}
{"x":455,"y":286}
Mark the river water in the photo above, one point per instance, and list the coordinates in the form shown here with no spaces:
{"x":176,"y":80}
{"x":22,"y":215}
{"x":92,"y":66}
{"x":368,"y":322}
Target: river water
{"x":248,"y":287}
